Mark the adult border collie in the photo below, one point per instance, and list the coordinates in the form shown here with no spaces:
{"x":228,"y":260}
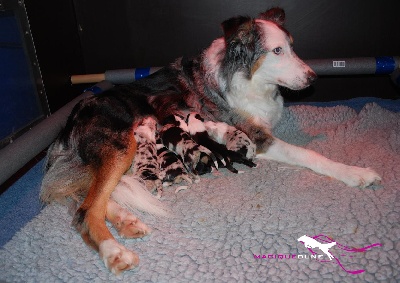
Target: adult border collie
{"x":235,"y":80}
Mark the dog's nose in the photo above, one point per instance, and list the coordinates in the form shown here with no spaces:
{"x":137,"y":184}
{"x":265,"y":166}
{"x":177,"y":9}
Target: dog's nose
{"x":311,"y":77}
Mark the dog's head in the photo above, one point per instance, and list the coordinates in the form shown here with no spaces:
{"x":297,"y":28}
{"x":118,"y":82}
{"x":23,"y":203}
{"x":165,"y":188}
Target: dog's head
{"x":147,"y":128}
{"x":263,"y":50}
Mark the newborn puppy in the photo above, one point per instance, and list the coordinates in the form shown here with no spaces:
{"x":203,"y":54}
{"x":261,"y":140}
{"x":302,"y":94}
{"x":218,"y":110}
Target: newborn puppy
{"x":145,"y":163}
{"x":198,"y":130}
{"x":233,"y":138}
{"x":172,"y":170}
{"x":199,"y":134}
{"x":175,"y":136}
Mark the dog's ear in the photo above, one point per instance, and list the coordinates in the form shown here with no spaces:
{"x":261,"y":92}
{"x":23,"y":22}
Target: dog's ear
{"x":241,"y":37}
{"x":232,"y":26}
{"x":276,"y":15}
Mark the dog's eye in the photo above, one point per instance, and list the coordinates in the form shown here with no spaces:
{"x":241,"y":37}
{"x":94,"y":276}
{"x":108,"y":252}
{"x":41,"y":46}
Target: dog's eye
{"x":277,"y":50}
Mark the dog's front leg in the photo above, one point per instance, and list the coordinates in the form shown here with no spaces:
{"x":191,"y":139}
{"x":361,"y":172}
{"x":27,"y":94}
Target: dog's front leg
{"x":351,"y":175}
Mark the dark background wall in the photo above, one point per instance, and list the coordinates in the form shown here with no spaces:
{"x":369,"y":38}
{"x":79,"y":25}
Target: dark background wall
{"x":55,"y":34}
{"x":96,"y":35}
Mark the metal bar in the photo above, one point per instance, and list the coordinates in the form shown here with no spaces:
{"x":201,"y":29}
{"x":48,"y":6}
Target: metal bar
{"x":323,"y":67}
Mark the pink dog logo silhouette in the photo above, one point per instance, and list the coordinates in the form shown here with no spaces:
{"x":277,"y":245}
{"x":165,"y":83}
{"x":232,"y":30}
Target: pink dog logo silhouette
{"x":324,"y":243}
{"x":312,"y":243}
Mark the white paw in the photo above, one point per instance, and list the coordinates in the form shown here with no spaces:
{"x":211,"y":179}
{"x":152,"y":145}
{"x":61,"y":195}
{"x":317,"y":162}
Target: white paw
{"x":131,"y":227}
{"x":359,"y":177}
{"x":116,"y":257}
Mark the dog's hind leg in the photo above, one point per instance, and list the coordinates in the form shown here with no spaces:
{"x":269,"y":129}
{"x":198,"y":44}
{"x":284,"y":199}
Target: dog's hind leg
{"x":90,"y":217}
{"x":351,"y":175}
{"x":127,"y":224}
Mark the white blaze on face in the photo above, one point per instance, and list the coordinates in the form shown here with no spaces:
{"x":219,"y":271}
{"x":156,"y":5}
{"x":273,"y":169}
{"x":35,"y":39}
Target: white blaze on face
{"x":280,"y":65}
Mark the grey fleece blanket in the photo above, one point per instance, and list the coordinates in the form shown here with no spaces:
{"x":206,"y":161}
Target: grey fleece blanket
{"x":245,"y":227}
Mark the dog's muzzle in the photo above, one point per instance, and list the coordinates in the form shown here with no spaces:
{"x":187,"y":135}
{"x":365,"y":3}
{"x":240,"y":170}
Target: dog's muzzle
{"x":311,"y":77}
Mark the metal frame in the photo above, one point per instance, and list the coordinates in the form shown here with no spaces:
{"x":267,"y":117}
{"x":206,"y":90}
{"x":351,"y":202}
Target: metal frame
{"x":19,"y":10}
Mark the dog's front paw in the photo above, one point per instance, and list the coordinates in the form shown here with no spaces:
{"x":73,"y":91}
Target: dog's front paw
{"x":359,"y":177}
{"x":116,"y":257}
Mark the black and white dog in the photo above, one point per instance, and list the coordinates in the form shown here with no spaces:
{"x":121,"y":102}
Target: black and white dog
{"x":234,"y":81}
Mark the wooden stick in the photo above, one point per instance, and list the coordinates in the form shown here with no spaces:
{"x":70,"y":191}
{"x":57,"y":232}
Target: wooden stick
{"x":90,"y":78}
{"x":121,"y":76}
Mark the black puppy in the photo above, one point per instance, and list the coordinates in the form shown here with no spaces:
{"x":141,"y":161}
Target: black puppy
{"x":199,"y":134}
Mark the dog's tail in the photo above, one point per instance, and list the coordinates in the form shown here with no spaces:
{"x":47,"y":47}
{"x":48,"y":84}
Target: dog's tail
{"x":132,"y":194}
{"x":67,"y":181}
{"x":66,"y":176}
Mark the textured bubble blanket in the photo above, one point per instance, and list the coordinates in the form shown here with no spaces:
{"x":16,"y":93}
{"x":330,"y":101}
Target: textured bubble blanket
{"x":245,"y":227}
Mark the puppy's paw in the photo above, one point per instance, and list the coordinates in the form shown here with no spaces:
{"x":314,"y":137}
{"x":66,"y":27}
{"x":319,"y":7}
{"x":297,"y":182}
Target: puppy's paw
{"x":116,"y":257}
{"x":359,"y":177}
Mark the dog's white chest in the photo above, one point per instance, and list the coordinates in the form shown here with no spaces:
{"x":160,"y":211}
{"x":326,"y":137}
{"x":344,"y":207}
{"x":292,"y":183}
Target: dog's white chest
{"x":267,"y":107}
{"x":268,"y":110}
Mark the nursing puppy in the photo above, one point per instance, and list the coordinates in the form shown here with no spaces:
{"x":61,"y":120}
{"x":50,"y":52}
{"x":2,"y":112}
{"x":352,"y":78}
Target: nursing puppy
{"x":232,"y":138}
{"x":145,"y":165}
{"x":198,"y":131}
{"x":176,"y":137}
{"x":234,"y":81}
{"x":172,"y":169}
